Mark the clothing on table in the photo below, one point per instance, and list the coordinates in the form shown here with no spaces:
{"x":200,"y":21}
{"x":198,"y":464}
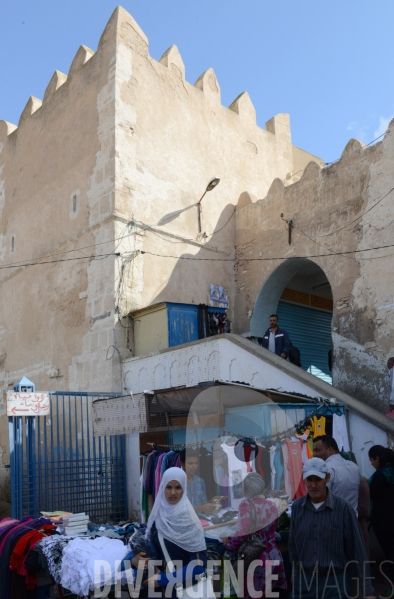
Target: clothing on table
{"x":9,"y":540}
{"x":330,"y":537}
{"x":294,"y":466}
{"x":196,"y":492}
{"x":318,"y":425}
{"x":77,"y":571}
{"x":53,"y":548}
{"x":22,"y":548}
{"x":344,"y":479}
{"x":339,"y":432}
{"x":261,"y":517}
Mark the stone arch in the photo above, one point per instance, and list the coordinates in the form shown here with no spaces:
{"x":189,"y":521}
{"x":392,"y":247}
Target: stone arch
{"x":270,"y":293}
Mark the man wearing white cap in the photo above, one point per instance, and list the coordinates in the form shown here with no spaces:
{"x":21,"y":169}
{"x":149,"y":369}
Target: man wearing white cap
{"x":325,"y":543}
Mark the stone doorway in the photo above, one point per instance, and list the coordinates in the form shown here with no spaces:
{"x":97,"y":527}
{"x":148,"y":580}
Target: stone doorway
{"x":299,"y":292}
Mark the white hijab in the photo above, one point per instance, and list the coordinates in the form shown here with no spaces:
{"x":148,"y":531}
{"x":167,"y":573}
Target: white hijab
{"x":177,"y":523}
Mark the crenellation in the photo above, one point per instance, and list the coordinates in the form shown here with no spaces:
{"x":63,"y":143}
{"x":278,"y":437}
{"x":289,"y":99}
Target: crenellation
{"x":80,"y":59}
{"x":243,"y":106}
{"x":173,"y":60}
{"x":352,"y":150}
{"x":6,"y":129}
{"x":33,"y":104}
{"x":57,"y":80}
{"x":208,"y":83}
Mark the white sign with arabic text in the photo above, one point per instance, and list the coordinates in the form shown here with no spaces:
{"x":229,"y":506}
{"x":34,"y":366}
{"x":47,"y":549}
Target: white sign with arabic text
{"x":27,"y":404}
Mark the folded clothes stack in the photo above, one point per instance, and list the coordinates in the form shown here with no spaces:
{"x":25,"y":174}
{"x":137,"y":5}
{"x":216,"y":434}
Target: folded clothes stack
{"x":75,"y":523}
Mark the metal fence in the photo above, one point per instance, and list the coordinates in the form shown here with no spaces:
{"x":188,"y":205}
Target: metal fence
{"x":57,"y":463}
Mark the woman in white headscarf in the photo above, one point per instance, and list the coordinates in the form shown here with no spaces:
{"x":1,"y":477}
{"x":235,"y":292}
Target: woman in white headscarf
{"x":174,"y":519}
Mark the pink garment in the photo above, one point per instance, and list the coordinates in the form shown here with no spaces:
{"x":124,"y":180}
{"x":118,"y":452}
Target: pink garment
{"x":294,"y":466}
{"x":288,"y":485}
{"x":6,"y":522}
{"x":14,"y":529}
{"x":264,"y":519}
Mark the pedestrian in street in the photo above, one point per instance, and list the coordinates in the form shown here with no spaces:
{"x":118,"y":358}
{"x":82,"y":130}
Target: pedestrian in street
{"x":275,"y":339}
{"x":381,"y":487}
{"x":325,"y":542}
{"x":390,"y":366}
{"x":344,"y":474}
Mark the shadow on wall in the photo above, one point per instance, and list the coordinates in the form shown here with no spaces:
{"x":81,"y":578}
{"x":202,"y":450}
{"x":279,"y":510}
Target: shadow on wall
{"x":212,"y":264}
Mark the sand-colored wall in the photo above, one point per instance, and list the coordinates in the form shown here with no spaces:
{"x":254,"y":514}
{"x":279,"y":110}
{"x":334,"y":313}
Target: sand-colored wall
{"x":172,"y":137}
{"x":61,"y":149}
{"x":340,"y":208}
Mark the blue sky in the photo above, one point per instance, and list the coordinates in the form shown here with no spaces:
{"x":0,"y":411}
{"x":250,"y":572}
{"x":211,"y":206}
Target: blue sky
{"x":329,"y":64}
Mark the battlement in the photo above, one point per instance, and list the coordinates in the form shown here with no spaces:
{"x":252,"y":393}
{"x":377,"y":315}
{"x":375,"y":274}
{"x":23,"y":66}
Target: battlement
{"x":122,"y":28}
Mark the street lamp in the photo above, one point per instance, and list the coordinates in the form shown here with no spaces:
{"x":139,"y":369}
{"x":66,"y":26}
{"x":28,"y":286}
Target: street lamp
{"x":211,"y":185}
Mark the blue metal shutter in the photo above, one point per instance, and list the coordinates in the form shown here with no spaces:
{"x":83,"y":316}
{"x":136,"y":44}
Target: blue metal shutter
{"x":182,"y":324}
{"x":310,"y":331}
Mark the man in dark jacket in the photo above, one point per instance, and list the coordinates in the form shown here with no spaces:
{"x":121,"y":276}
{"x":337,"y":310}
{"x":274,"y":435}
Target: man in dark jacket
{"x":275,"y":339}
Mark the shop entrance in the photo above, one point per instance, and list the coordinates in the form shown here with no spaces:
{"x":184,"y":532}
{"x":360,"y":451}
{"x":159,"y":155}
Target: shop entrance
{"x":300,"y":293}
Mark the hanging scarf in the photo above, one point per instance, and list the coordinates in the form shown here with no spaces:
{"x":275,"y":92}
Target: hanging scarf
{"x":177,"y":523}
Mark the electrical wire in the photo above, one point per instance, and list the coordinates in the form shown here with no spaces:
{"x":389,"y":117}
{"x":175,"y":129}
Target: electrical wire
{"x":260,"y":259}
{"x":20,"y":265}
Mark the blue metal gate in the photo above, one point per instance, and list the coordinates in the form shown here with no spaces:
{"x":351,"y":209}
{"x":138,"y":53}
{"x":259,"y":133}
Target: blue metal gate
{"x":57,"y":464}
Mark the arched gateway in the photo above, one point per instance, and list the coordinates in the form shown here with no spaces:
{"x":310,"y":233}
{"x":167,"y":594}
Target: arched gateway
{"x":299,"y":292}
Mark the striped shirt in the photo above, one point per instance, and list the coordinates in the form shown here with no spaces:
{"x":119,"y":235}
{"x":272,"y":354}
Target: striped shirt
{"x":329,"y":537}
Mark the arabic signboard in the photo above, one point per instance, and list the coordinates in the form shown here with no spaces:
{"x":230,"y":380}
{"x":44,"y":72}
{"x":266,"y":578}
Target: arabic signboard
{"x":27,"y":404}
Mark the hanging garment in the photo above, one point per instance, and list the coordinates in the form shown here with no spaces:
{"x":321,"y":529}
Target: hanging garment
{"x":287,"y":477}
{"x":339,"y":432}
{"x":237,"y":472}
{"x":318,"y":425}
{"x":295,"y":467}
{"x":266,"y":466}
{"x":305,"y":447}
{"x":278,"y":467}
{"x":272,"y":451}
